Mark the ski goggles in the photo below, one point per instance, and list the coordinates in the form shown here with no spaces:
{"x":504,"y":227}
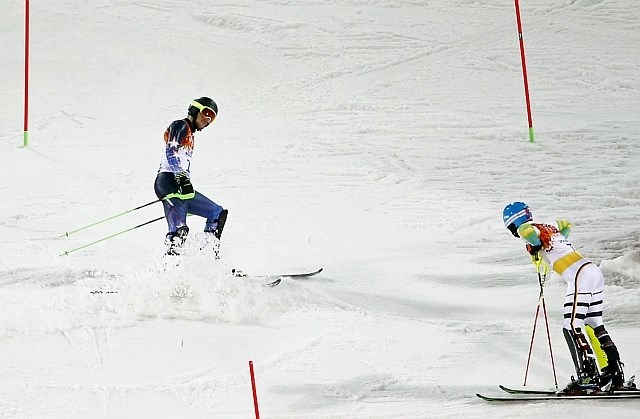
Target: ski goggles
{"x":206,"y":111}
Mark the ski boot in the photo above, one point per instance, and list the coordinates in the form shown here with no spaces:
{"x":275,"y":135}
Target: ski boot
{"x":613,"y":371}
{"x":213,"y":233}
{"x":588,"y":381}
{"x":216,"y":226}
{"x":581,"y":386}
{"x":175,"y":240}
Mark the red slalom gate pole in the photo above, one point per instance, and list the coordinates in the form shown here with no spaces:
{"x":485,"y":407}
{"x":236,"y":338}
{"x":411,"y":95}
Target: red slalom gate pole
{"x":253,"y":389}
{"x":26,"y":75}
{"x":524,"y":70}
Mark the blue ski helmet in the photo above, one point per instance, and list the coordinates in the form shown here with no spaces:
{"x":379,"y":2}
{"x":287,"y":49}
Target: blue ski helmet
{"x":516,"y":213}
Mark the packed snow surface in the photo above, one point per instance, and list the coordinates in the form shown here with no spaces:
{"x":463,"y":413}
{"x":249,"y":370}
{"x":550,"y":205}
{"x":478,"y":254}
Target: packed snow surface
{"x":377,"y":139}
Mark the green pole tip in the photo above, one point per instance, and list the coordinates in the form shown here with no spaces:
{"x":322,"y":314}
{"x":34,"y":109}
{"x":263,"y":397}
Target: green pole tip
{"x":531,"y":134}
{"x":26,"y":138}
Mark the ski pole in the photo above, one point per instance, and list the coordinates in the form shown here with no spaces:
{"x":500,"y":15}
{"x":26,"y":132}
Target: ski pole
{"x":112,"y":235}
{"x":536,"y":261}
{"x":541,"y":280}
{"x":66,"y":234}
{"x":533,"y":333}
{"x":546,"y":321}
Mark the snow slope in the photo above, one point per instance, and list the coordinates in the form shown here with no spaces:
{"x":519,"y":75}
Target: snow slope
{"x":378,"y":139}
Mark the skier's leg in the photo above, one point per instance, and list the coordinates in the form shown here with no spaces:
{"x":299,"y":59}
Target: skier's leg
{"x":613,"y":370}
{"x":216,"y":216}
{"x":576,"y":306}
{"x":573,"y":349}
{"x":583,"y":358}
{"x":175,"y":211}
{"x":218,"y":225}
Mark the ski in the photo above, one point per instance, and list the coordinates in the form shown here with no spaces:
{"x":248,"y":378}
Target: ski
{"x":273,"y":283}
{"x":543,"y":397}
{"x":298,"y":275}
{"x":525,"y":391}
{"x":552,"y":392}
{"x":628,"y":388}
{"x":275,"y":279}
{"x":301,"y":275}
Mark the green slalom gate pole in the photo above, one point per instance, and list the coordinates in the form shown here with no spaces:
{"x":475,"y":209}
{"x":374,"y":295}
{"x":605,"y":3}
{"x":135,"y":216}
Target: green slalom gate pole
{"x":66,"y":234}
{"x":111,"y":236}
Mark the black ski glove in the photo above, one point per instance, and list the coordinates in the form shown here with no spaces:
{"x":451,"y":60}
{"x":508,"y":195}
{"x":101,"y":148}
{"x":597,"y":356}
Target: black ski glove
{"x":185,"y":188}
{"x":533,"y":250}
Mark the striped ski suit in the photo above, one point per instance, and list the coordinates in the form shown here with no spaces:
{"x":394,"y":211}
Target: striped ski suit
{"x":585,"y":282}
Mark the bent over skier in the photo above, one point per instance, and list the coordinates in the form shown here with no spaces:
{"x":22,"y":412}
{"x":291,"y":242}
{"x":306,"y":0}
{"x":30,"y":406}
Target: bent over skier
{"x":584,"y":298}
{"x":173,"y":181}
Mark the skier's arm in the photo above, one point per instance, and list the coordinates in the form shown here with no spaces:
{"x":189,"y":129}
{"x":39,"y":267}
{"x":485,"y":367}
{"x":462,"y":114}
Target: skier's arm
{"x":175,"y":133}
{"x":564,"y":226}
{"x":174,"y":136}
{"x":529,"y":234}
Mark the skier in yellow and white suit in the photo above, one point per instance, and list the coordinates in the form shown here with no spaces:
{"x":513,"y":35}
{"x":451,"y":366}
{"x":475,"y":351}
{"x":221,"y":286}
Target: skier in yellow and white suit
{"x":584,"y":298}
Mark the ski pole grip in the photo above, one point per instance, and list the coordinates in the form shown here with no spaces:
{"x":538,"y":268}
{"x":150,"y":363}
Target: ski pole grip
{"x":537,"y":260}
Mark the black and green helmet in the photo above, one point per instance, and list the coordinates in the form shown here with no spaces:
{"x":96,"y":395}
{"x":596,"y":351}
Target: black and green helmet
{"x":205,"y":105}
